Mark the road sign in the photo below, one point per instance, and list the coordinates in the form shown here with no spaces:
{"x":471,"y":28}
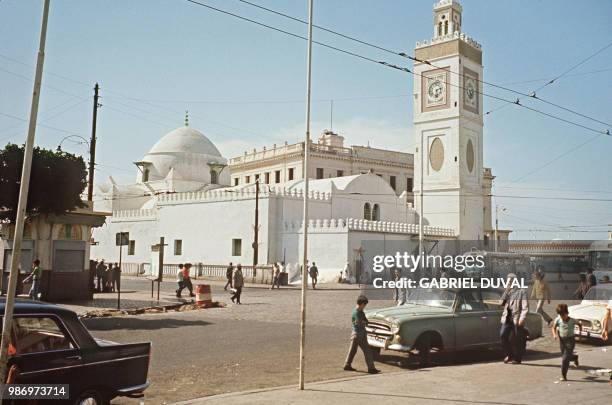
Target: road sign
{"x":122,"y":238}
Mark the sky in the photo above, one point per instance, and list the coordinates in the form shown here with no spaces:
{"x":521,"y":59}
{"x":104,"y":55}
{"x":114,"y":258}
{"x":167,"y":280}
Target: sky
{"x":244,"y":87}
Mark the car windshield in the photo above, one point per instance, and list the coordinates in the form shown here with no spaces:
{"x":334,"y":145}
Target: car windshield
{"x":432,"y":298}
{"x":598,"y":294}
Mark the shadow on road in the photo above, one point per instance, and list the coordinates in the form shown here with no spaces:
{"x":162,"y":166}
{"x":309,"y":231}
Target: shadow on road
{"x":458,"y":358}
{"x":436,"y":398}
{"x":134,"y":323}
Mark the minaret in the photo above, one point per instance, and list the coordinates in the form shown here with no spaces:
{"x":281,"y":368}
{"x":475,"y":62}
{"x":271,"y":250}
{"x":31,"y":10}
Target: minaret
{"x":448,"y":125}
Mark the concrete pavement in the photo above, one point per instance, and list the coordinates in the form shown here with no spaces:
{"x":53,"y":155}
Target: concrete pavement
{"x":533,"y":382}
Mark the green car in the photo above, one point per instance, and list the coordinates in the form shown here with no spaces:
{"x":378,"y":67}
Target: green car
{"x":443,"y":319}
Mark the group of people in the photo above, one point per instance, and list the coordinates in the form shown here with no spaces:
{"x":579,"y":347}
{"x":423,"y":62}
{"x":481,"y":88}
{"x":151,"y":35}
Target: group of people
{"x":587,"y":280}
{"x":515,"y":307}
{"x":108,"y":277}
{"x":235,"y":281}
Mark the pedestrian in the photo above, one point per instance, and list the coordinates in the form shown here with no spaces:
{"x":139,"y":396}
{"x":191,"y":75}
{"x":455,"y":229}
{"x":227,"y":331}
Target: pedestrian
{"x":583,"y":287}
{"x":179,"y":280}
{"x":607,"y":318}
{"x":347,"y":273}
{"x":100,"y":271}
{"x":591,"y":279}
{"x":36,"y":276}
{"x":115,"y":277}
{"x":228,"y":275}
{"x":512,"y":333}
{"x":275,"y":276}
{"x":313,"y":271}
{"x":238,"y":280}
{"x":397,"y":276}
{"x":359,"y":337}
{"x":186,"y":281}
{"x":563,"y":329}
{"x":541,"y":292}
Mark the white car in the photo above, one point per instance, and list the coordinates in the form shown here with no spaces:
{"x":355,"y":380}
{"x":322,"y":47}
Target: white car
{"x":592,"y":311}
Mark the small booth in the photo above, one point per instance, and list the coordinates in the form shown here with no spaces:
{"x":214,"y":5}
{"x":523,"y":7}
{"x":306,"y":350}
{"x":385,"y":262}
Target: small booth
{"x":62,"y":244}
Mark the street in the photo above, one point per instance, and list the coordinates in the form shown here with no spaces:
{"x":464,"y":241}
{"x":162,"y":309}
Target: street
{"x":255,"y":345}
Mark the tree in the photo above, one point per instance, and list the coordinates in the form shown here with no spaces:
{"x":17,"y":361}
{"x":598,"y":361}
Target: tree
{"x":56,"y":183}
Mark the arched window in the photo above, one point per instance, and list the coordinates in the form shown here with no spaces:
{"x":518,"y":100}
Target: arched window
{"x":367,"y":211}
{"x":145,"y":175}
{"x":376,"y":213}
{"x":214,"y":177}
{"x":446,"y":27}
{"x":440,"y":29}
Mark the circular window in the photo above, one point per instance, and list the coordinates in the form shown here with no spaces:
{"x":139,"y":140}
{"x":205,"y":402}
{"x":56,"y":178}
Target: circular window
{"x":469,"y":156}
{"x":436,"y":154}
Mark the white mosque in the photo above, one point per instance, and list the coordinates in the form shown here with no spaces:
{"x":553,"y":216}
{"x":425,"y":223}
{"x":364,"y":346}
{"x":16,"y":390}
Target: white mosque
{"x":183,"y":193}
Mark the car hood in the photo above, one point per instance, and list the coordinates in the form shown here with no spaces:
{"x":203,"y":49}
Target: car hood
{"x":406,"y":311}
{"x":589,"y":310}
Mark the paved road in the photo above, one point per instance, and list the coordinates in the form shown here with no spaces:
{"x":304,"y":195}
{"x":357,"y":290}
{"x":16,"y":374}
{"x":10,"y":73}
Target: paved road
{"x":254,"y":345}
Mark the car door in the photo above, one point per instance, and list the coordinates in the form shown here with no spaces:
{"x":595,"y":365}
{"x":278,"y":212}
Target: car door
{"x":491,"y":299}
{"x":470,"y":320}
{"x":44,"y":351}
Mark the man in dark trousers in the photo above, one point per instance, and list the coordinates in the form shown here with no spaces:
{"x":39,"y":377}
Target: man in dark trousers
{"x":314,"y":274}
{"x":359,"y":337}
{"x":228,"y":275}
{"x":514,"y":313}
{"x":186,"y":281}
{"x":100,"y":272}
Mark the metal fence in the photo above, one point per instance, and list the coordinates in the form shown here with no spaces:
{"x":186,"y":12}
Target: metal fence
{"x":201,"y":271}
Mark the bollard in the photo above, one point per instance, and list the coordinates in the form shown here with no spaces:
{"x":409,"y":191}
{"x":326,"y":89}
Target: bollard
{"x":203,"y":295}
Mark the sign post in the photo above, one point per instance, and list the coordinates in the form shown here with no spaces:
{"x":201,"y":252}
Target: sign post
{"x":121,"y":239}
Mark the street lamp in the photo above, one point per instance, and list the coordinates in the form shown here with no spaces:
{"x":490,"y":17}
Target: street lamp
{"x":84,"y":141}
{"x":497,"y":208}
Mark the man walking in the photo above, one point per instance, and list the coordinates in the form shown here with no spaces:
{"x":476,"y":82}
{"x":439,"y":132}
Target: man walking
{"x":228,"y":275}
{"x":541,"y":292}
{"x":591,"y":279}
{"x":359,"y":337}
{"x":238,"y":280}
{"x":514,"y":313}
{"x":275,"y":276}
{"x":314,"y":274}
{"x":179,"y":280}
{"x":186,"y":281}
{"x":35,"y":275}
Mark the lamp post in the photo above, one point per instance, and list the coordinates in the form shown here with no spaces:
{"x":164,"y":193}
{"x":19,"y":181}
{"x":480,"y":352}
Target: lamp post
{"x":497,"y":208}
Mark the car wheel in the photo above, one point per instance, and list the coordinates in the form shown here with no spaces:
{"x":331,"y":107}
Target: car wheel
{"x":423,"y":346}
{"x":92,"y":397}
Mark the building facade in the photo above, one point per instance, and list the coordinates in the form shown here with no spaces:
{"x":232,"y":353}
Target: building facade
{"x":328,"y":158}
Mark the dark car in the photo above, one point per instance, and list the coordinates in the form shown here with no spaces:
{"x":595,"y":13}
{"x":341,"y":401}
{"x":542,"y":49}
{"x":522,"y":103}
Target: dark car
{"x":50,"y":345}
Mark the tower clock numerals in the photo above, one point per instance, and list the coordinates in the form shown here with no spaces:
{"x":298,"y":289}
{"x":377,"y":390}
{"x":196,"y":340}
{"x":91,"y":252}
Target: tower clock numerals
{"x":436,"y":90}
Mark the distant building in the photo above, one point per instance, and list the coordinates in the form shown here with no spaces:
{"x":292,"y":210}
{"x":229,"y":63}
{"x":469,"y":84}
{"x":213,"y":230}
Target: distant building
{"x":328,"y":158}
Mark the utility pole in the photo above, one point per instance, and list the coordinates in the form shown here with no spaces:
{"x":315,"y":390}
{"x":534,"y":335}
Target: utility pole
{"x":497,"y":225}
{"x":421,"y":201}
{"x":305,"y":177}
{"x":256,"y":230}
{"x":92,"y":145}
{"x":24,"y":186}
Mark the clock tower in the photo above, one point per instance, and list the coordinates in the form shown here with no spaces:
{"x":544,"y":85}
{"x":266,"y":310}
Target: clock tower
{"x":448,"y":126}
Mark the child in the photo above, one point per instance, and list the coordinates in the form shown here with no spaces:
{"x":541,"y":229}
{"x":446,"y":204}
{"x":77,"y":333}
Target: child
{"x":563,"y":328}
{"x":359,"y":337}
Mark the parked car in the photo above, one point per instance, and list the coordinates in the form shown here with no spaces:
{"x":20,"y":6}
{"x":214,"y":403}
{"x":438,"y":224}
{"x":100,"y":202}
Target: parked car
{"x":50,"y":345}
{"x":592,"y":311}
{"x":443,"y":319}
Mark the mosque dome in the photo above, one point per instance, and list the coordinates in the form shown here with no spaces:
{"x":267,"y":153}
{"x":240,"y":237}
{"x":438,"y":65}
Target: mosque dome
{"x":185,"y":140}
{"x":184,"y":155}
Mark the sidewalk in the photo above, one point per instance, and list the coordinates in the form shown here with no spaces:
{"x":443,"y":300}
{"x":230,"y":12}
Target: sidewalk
{"x":533,"y":382}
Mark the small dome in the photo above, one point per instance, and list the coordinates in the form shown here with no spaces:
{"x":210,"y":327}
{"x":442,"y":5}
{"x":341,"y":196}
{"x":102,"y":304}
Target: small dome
{"x":185,"y":140}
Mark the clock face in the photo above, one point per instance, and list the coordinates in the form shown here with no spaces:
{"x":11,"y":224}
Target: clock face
{"x":436,"y":90}
{"x":470,"y":91}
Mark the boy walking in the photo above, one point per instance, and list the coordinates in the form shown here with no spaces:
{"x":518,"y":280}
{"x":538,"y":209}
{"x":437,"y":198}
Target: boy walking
{"x":563,"y":329}
{"x":359,"y":337}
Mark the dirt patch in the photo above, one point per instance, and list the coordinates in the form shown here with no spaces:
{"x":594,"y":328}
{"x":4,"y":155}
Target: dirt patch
{"x":103,"y":313}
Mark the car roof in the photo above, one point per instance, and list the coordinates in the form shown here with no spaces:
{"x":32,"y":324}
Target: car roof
{"x":26,"y":306}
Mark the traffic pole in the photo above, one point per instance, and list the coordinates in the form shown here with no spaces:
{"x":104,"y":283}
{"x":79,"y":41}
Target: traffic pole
{"x":23,"y":198}
{"x":305,"y":177}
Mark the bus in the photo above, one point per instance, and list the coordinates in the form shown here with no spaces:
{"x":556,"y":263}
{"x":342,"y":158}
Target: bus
{"x":600,"y":259}
{"x":500,"y":264}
